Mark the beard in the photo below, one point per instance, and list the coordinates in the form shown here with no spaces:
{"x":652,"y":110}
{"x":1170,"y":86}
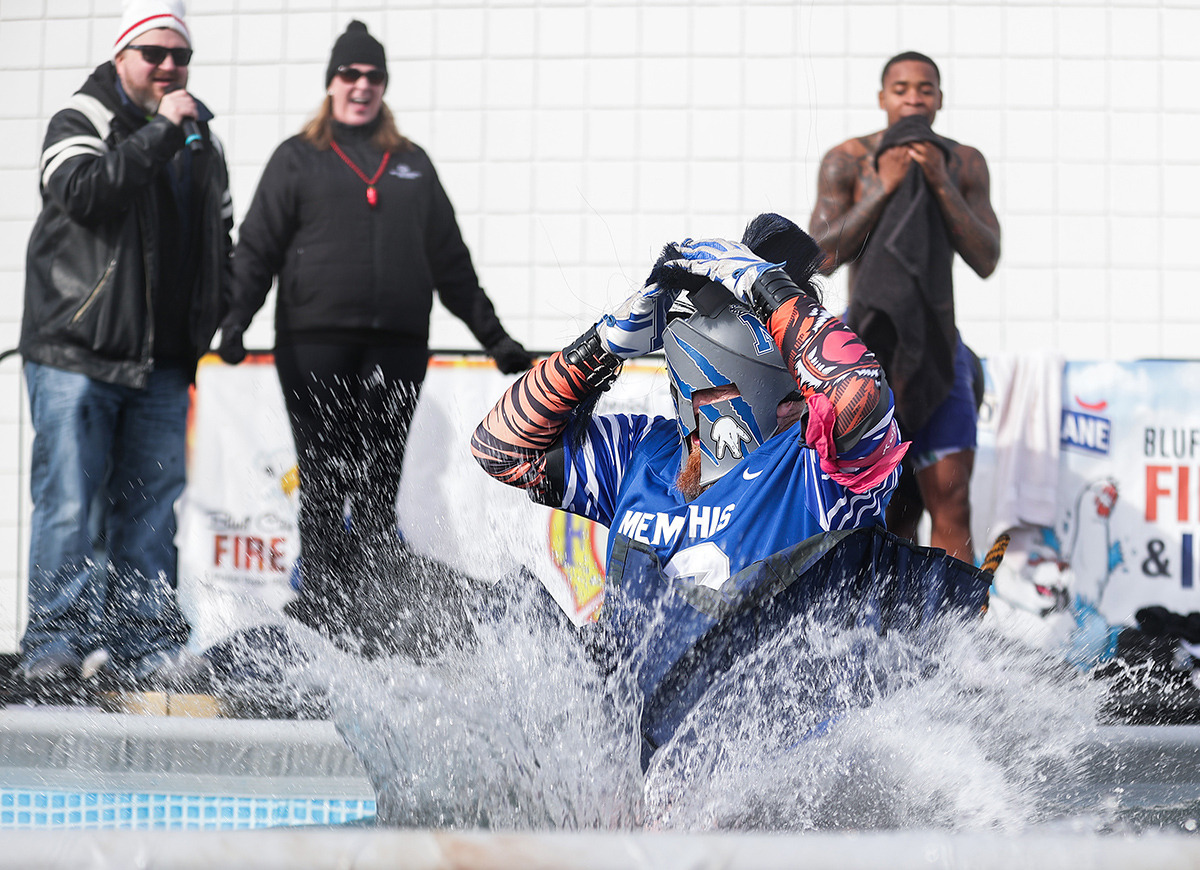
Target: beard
{"x":688,"y":481}
{"x":145,"y":95}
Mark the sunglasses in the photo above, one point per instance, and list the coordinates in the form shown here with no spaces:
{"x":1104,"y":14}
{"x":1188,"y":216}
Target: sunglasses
{"x":350,"y":75}
{"x":156,"y":54}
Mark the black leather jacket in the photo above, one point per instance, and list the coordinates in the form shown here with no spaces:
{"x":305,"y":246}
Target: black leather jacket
{"x":94,"y":250}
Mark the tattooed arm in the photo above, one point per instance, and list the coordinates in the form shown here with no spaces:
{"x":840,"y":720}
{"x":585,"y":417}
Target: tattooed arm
{"x":963,"y":192}
{"x":851,"y":195}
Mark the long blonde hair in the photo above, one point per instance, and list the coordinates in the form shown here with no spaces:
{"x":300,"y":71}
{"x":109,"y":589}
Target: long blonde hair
{"x":319,"y":131}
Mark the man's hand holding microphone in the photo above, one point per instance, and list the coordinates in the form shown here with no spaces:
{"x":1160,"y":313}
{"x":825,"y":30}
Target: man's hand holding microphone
{"x":178,"y":107}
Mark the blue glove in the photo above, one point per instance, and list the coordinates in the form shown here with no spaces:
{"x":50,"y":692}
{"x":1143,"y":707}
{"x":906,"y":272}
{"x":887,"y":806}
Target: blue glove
{"x":731,"y":264}
{"x":636,"y":328}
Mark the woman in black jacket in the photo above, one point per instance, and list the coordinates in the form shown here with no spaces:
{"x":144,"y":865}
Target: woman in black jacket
{"x":352,"y":219}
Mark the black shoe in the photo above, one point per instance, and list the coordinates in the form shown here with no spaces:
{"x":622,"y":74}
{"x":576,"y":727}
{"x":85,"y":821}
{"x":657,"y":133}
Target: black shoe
{"x":55,"y":665}
{"x":172,"y":670}
{"x":325,"y":615}
{"x":253,"y":675}
{"x":414,"y":606}
{"x":50,"y":679}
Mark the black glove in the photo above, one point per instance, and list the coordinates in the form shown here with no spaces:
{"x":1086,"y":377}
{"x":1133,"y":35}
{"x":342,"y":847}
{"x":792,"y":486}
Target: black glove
{"x":231,"y":349}
{"x":510,"y":357}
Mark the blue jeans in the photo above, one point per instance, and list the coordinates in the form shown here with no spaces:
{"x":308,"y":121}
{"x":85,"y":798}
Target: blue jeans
{"x":108,"y":464}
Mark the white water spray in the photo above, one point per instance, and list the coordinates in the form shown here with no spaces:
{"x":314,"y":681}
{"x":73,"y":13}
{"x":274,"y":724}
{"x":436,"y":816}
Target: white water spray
{"x":826,"y":730}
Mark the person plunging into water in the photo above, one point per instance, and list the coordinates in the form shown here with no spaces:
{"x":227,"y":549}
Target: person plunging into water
{"x":763,"y":499}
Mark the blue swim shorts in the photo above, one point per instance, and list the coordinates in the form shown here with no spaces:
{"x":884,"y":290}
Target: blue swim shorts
{"x":951,"y":427}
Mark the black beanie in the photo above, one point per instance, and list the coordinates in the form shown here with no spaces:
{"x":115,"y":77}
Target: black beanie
{"x":355,"y":46}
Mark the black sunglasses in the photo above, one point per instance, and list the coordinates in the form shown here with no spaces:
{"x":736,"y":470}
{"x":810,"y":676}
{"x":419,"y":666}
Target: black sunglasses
{"x":156,"y":54}
{"x":350,"y":75}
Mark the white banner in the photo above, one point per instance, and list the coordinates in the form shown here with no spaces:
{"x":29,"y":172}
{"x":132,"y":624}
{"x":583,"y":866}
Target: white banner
{"x":237,"y":534}
{"x":1125,"y":503}
{"x":237,"y":531}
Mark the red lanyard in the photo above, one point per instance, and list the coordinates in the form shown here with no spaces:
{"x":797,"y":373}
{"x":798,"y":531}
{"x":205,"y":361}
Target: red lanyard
{"x":372,"y":196}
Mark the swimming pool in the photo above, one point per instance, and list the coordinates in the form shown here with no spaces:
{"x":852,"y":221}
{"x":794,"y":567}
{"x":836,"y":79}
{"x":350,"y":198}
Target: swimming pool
{"x":73,"y":769}
{"x":41,"y":809}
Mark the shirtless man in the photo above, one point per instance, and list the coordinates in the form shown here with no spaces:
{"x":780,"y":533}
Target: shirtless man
{"x":858,"y":181}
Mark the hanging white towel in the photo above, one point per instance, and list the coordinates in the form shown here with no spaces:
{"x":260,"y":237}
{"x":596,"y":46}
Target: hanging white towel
{"x":1028,"y":390}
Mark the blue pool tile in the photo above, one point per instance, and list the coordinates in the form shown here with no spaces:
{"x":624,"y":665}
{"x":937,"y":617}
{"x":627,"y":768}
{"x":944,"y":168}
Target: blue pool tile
{"x":28,"y":808}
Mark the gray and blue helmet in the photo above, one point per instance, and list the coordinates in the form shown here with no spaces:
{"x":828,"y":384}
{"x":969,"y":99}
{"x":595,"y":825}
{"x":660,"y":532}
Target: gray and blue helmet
{"x":716,"y":341}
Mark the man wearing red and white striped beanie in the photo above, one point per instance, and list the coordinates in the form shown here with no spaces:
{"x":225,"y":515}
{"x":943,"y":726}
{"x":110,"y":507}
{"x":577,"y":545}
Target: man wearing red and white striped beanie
{"x":127,"y":268}
{"x":141,"y":16}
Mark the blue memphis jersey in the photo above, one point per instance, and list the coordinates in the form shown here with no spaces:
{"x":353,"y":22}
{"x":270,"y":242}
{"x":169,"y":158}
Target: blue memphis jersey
{"x":622,"y":473}
{"x":671,"y":562}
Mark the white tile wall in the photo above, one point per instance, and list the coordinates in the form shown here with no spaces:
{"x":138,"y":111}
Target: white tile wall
{"x":576,"y":136}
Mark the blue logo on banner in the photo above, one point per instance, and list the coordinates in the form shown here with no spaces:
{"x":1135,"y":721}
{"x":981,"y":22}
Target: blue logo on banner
{"x":1086,"y":432}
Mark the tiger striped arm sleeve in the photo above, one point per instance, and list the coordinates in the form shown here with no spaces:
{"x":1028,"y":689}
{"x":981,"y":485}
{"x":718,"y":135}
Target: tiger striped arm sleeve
{"x":515,"y":439}
{"x":828,"y":358}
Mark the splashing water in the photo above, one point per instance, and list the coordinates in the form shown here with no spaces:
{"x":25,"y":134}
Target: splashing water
{"x":517,"y":730}
{"x":822,"y":729}
{"x":850,"y":730}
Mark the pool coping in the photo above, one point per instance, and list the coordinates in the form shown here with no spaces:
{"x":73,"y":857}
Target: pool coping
{"x":74,"y":749}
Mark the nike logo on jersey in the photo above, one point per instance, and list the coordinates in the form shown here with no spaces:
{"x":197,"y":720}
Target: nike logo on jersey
{"x":750,"y":475}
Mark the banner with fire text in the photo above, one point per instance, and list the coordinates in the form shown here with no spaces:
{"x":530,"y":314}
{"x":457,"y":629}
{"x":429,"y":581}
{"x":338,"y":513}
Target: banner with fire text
{"x":238,"y":540}
{"x":1120,"y":533}
{"x":1126,"y":516}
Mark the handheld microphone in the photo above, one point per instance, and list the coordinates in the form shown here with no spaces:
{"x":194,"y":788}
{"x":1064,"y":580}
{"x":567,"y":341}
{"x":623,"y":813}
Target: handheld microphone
{"x":191,"y":130}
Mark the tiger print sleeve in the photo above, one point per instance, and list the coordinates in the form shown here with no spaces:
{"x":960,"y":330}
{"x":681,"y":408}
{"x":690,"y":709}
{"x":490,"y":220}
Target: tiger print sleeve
{"x":851,"y":419}
{"x":827,"y":357}
{"x":517,"y":442}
